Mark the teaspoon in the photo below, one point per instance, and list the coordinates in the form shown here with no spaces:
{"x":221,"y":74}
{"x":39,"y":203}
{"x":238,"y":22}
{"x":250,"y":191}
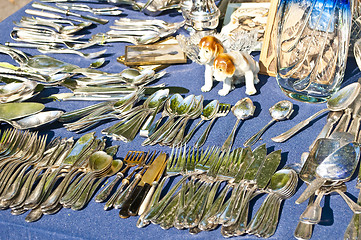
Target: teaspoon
{"x":243,"y":109}
{"x":280,"y":111}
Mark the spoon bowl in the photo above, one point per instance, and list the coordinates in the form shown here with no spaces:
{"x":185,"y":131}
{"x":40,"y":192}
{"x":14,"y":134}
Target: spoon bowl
{"x":35,"y":120}
{"x":243,"y":109}
{"x":280,"y":111}
{"x":325,"y":167}
{"x":11,"y":111}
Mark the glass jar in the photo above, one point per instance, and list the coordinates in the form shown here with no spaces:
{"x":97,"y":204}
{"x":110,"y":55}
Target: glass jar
{"x":312,"y":45}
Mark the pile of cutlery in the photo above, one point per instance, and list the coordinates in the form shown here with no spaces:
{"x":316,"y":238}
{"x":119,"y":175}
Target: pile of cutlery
{"x":53,"y":34}
{"x":138,"y":31}
{"x":331,"y":161}
{"x":30,"y":169}
{"x":197,"y":206}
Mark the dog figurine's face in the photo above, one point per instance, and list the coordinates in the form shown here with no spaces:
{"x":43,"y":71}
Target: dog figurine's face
{"x":209,"y":47}
{"x":223,"y":67}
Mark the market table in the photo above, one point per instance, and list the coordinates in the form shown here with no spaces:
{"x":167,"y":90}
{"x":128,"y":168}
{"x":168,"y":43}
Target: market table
{"x":94,"y":223}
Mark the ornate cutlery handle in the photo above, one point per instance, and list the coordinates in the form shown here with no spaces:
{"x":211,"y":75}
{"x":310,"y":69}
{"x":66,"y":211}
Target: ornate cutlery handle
{"x":288,"y":134}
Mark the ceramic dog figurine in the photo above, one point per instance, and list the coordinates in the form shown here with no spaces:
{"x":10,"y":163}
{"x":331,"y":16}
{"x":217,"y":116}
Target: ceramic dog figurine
{"x":210,"y":47}
{"x":229,"y":67}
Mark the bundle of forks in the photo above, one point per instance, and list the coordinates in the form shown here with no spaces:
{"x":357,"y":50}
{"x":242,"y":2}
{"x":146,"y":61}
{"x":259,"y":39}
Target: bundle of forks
{"x":199,"y":200}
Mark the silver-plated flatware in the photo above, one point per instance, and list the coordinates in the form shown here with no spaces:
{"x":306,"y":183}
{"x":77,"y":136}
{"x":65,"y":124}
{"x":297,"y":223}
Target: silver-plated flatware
{"x":339,"y":101}
{"x":280,"y":111}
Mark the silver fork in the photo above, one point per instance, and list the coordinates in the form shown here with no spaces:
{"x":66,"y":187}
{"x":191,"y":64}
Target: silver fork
{"x":179,"y":163}
{"x":223,"y":110}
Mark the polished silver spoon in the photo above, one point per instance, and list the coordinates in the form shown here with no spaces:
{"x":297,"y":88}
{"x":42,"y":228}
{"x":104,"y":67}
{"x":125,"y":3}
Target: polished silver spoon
{"x":280,"y":111}
{"x":34,"y":121}
{"x":243,"y":109}
{"x":339,"y":101}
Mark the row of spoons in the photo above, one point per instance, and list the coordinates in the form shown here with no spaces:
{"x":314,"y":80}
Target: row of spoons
{"x":30,"y":169}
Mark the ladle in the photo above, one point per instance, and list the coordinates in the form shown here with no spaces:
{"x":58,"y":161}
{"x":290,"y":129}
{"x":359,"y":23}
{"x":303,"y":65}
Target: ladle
{"x":280,"y":111}
{"x":339,"y":101}
{"x":243,"y":109}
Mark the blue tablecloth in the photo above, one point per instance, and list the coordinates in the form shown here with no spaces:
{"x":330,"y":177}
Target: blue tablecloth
{"x":95,"y":223}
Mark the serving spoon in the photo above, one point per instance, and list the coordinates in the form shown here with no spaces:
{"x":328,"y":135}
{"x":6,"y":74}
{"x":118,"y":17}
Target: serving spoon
{"x":34,"y":121}
{"x":339,"y":101}
{"x":335,"y":168}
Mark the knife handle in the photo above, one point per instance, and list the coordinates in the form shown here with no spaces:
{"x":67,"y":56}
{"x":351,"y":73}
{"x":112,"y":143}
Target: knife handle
{"x":135,"y":205}
{"x":124,"y":209}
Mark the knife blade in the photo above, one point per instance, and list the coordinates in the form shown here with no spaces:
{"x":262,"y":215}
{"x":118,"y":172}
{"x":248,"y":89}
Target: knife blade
{"x":259,"y":157}
{"x":146,"y":201}
{"x":142,"y":187}
{"x":67,"y":12}
{"x":268,"y":168}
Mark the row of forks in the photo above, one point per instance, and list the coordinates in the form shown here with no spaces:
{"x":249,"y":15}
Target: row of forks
{"x":196,"y":205}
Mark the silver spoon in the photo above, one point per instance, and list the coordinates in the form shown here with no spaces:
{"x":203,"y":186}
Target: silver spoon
{"x":34,"y":121}
{"x":280,"y":111}
{"x":243,"y":109}
{"x":339,"y":101}
{"x":98,"y":63}
{"x":11,"y":111}
{"x":336,"y":167}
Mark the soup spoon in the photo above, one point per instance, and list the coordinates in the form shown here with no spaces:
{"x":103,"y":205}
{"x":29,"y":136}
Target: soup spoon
{"x":243,"y":109}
